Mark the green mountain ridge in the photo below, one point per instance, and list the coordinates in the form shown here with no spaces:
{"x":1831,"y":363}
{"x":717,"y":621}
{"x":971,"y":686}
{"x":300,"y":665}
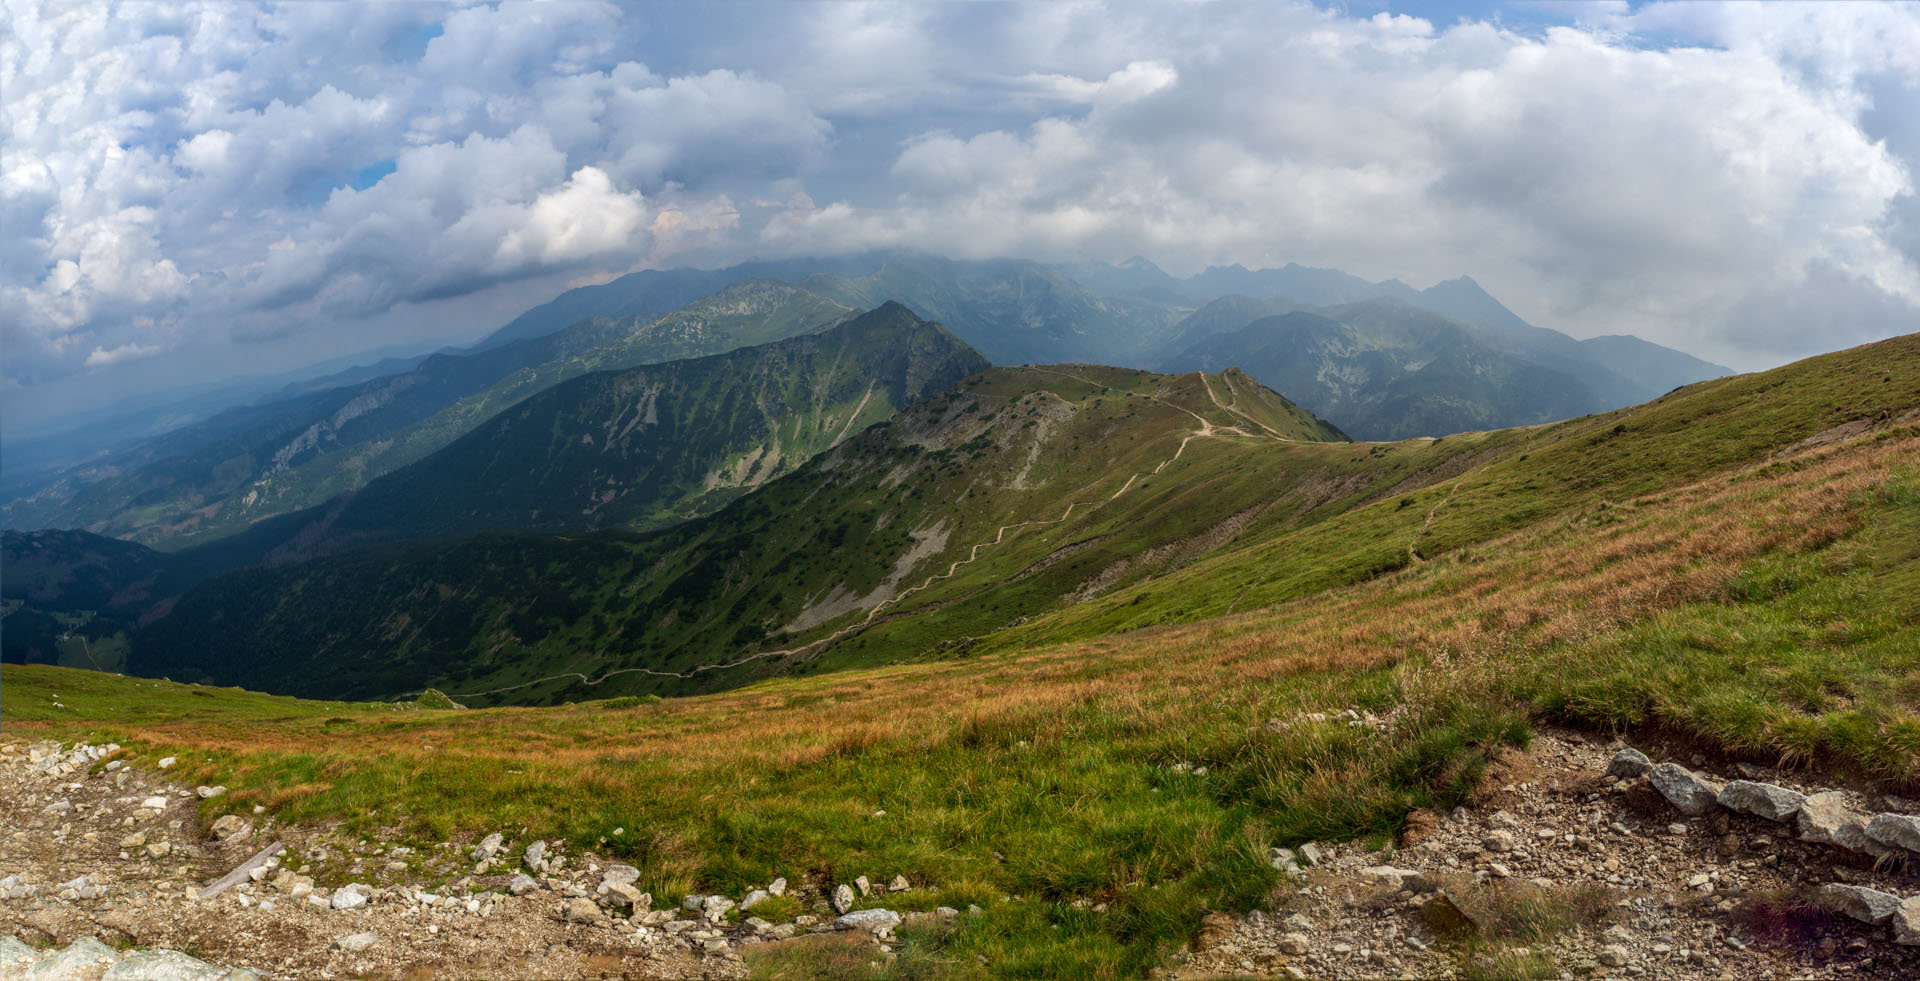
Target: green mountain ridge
{"x":637,"y":448}
{"x":1027,"y":505}
{"x":850,"y":549}
{"x":208,"y":481}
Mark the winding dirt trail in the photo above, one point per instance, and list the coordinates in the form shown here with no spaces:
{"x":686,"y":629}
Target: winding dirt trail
{"x":1207,"y":429}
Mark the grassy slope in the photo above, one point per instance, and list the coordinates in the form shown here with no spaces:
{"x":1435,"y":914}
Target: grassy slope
{"x":1672,"y":574}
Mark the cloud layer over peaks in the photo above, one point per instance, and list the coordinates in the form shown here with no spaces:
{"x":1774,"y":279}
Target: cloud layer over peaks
{"x":225,"y":185}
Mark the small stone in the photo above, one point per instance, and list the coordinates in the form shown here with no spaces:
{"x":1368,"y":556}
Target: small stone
{"x":348,"y":898}
{"x":487,"y":847}
{"x":1500,"y":841}
{"x":1389,"y":877}
{"x":1614,"y":955}
{"x":868,"y":920}
{"x":1728,"y":845}
{"x":536,"y":856}
{"x":777,"y":887}
{"x":1861,"y":903}
{"x":355,"y":942}
{"x":167,"y":762}
{"x":1762,"y":800}
{"x":209,"y":792}
{"x":155,"y":803}
{"x":755,"y":898}
{"x":579,"y":911}
{"x":521,"y":884}
{"x":863,"y":885}
{"x":899,"y":884}
{"x":1628,"y":763}
{"x":229,"y":826}
{"x":1293,"y":944}
{"x":1311,"y":854}
{"x":158,"y":849}
{"x":81,"y":887}
{"x":1687,"y":791}
{"x":842,"y":898}
{"x":628,"y":895}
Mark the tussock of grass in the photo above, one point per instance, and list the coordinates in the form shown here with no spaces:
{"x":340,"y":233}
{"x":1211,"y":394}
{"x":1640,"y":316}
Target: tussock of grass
{"x":1506,"y":920}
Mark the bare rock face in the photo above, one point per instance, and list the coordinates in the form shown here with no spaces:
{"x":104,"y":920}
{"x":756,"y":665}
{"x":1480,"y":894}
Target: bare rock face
{"x":1690,"y":793}
{"x":1761,"y":800}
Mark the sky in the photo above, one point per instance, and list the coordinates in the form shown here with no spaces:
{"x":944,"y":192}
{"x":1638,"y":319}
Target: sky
{"x":195,"y":191}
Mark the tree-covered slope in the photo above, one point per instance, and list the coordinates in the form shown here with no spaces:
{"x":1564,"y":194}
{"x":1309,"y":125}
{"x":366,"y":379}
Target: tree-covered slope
{"x":1021,"y":489}
{"x":638,"y":448}
{"x":72,"y":598}
{"x":257,"y":461}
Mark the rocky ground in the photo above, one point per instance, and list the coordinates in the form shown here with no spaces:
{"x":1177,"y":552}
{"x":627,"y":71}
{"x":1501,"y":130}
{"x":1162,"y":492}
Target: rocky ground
{"x":106,"y":869}
{"x":1582,"y":860}
{"x":1567,"y":870}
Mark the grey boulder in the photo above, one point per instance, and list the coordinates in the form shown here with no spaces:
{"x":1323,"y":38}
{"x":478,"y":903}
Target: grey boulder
{"x":1861,"y":903}
{"x":1686,"y":790}
{"x":1628,"y":763}
{"x":1761,"y":800}
{"x":869,"y":920}
{"x":1896,"y":830}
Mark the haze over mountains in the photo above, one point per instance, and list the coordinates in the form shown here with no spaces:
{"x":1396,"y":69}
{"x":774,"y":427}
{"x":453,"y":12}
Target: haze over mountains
{"x":213,"y":478}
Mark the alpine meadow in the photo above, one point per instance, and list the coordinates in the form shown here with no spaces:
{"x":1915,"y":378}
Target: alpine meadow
{"x":922,"y":491}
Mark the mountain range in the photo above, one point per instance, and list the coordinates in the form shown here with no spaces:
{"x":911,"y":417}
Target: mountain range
{"x":1402,"y":362}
